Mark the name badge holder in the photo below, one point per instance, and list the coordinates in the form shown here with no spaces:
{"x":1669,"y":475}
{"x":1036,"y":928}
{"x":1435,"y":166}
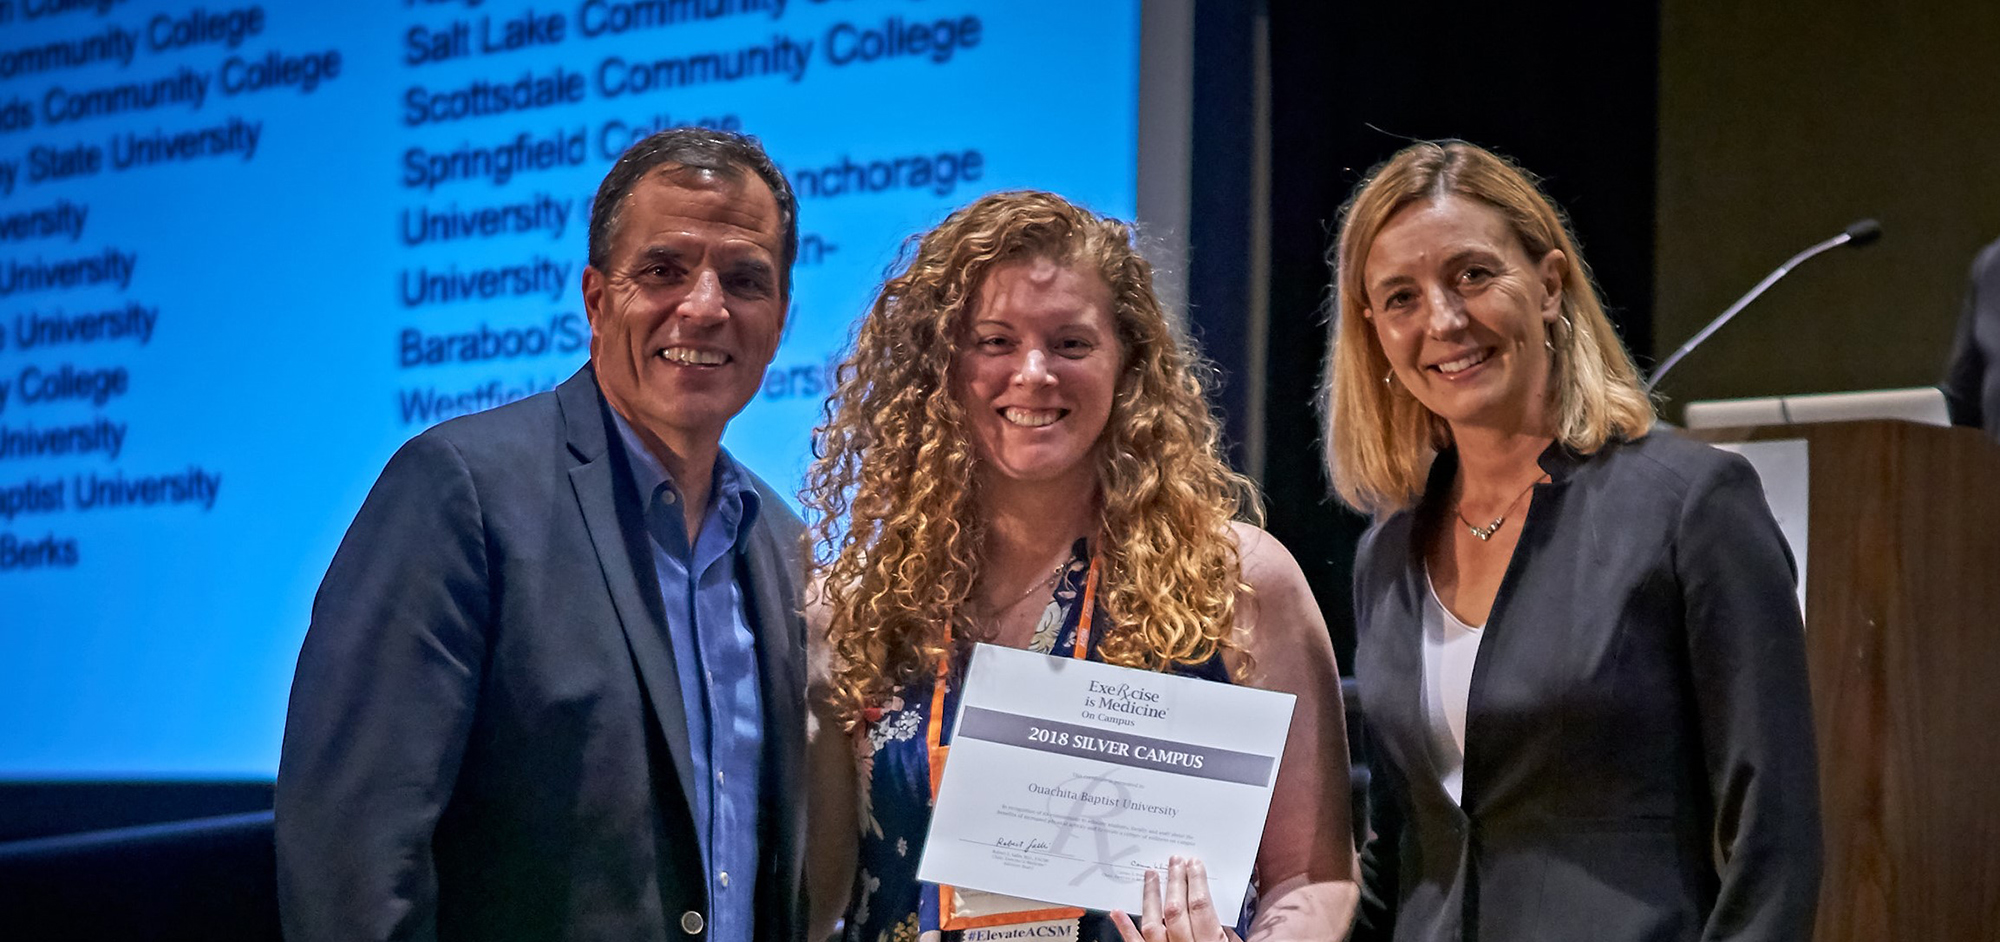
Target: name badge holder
{"x":963,"y":909}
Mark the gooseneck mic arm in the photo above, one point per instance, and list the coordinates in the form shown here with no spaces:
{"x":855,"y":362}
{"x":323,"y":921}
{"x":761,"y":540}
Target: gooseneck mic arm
{"x":1858,"y":234}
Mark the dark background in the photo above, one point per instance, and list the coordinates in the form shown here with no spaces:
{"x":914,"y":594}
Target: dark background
{"x":1570,"y":91}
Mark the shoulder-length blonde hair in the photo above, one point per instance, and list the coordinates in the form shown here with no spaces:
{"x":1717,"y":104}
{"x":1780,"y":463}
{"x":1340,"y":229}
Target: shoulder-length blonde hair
{"x":1380,"y":440}
{"x":896,"y":537}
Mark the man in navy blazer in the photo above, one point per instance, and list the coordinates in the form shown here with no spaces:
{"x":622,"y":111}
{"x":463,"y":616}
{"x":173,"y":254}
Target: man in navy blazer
{"x":553,"y":685}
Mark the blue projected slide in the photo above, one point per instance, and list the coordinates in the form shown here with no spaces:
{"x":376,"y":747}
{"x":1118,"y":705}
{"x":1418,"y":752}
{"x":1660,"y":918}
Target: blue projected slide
{"x":246,"y":250}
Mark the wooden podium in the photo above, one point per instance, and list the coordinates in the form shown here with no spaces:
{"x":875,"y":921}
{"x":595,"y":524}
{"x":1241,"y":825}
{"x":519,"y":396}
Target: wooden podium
{"x":1903,"y":639}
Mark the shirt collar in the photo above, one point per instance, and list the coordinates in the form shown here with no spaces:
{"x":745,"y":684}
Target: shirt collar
{"x":1558,"y":461}
{"x":730,"y":491}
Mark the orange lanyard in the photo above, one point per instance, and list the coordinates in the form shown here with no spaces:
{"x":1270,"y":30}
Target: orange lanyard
{"x":934,"y":728}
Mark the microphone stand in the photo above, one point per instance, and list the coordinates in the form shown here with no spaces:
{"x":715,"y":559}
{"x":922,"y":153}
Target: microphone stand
{"x":1861,"y":233}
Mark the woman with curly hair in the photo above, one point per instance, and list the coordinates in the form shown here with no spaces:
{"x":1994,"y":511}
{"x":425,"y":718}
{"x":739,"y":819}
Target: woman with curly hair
{"x":1020,"y":443}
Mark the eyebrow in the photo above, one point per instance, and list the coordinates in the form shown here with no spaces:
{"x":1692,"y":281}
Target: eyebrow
{"x":755,"y":266}
{"x":1461,"y":255}
{"x":1390,"y":282}
{"x":1010,"y":325}
{"x":667,"y":253}
{"x":661,"y":253}
{"x":1378,"y":293}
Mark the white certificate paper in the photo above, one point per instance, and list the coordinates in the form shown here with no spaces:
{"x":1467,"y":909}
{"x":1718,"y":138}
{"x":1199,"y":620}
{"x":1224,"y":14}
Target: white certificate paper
{"x":1068,"y":779}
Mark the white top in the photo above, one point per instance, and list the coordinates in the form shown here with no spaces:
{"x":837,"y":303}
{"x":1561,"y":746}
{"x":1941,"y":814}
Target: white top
{"x":1450,"y":646}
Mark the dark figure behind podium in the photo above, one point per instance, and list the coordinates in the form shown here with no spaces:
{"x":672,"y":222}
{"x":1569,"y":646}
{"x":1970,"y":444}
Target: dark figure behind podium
{"x":553,"y":687}
{"x":1580,"y":654}
{"x":1972,"y":381}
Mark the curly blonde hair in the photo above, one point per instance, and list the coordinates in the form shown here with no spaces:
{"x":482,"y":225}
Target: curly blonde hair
{"x":897,"y":538}
{"x":1380,"y":439}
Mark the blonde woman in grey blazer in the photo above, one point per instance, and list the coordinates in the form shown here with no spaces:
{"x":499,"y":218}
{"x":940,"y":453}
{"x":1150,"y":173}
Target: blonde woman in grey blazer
{"x":1581,"y":659}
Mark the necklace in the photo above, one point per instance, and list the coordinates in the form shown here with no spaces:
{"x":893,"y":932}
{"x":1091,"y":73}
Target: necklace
{"x":1486,"y":532}
{"x":1046,"y":582}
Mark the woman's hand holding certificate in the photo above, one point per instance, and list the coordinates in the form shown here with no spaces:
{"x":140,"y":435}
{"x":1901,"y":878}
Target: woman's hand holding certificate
{"x":1182,"y":912}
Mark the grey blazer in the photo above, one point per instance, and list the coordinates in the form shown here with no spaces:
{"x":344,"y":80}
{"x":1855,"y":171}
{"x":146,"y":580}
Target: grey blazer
{"x":486,"y":739}
{"x":1639,"y":741}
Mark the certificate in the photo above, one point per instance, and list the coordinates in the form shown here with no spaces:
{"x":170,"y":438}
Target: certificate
{"x":1069,"y":779}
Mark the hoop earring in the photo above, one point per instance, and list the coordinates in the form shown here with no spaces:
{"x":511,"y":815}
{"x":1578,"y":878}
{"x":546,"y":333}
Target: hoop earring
{"x":1568,"y":331}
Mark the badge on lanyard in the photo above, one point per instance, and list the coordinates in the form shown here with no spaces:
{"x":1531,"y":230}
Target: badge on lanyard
{"x":991,"y":917}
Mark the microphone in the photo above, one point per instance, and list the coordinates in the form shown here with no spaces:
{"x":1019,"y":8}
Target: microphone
{"x":1859,"y":234}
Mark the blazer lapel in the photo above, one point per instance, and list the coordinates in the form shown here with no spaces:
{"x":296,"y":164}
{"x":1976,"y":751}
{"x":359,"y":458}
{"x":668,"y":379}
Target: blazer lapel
{"x":770,"y":589}
{"x":1526,"y":649}
{"x":766,"y":569}
{"x":602,"y":484}
{"x":1407,"y":664}
{"x":778,"y":644}
{"x":1406,"y":655}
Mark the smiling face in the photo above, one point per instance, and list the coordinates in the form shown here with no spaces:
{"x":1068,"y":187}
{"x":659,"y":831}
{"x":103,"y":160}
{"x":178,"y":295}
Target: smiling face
{"x":687,"y":310}
{"x":1462,"y":314}
{"x":1036,"y":370}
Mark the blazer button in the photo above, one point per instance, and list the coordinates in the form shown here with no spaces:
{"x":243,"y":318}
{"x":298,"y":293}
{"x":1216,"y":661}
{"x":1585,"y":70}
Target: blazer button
{"x":691,"y":922}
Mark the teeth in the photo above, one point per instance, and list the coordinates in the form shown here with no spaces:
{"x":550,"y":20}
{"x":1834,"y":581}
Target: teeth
{"x":1031,"y":418}
{"x":693,"y":357}
{"x":1463,"y":363}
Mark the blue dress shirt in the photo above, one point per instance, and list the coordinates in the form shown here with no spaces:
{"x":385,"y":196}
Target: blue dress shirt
{"x":715,"y":657}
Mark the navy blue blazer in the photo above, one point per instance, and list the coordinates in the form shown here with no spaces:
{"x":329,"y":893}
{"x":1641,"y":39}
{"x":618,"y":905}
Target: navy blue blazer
{"x":486,"y":739}
{"x":1639,"y":740}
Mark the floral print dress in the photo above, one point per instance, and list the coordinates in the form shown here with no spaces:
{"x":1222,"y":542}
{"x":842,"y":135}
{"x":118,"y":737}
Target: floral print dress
{"x":888,"y":903}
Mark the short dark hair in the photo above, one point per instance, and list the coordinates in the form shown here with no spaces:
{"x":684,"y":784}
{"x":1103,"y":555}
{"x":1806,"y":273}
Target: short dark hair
{"x":722,"y":152}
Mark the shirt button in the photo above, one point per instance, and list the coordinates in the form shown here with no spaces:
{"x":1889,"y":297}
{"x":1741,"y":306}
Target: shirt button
{"x":722,"y":877}
{"x":667,"y":497}
{"x":718,"y":778}
{"x":691,"y":922}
